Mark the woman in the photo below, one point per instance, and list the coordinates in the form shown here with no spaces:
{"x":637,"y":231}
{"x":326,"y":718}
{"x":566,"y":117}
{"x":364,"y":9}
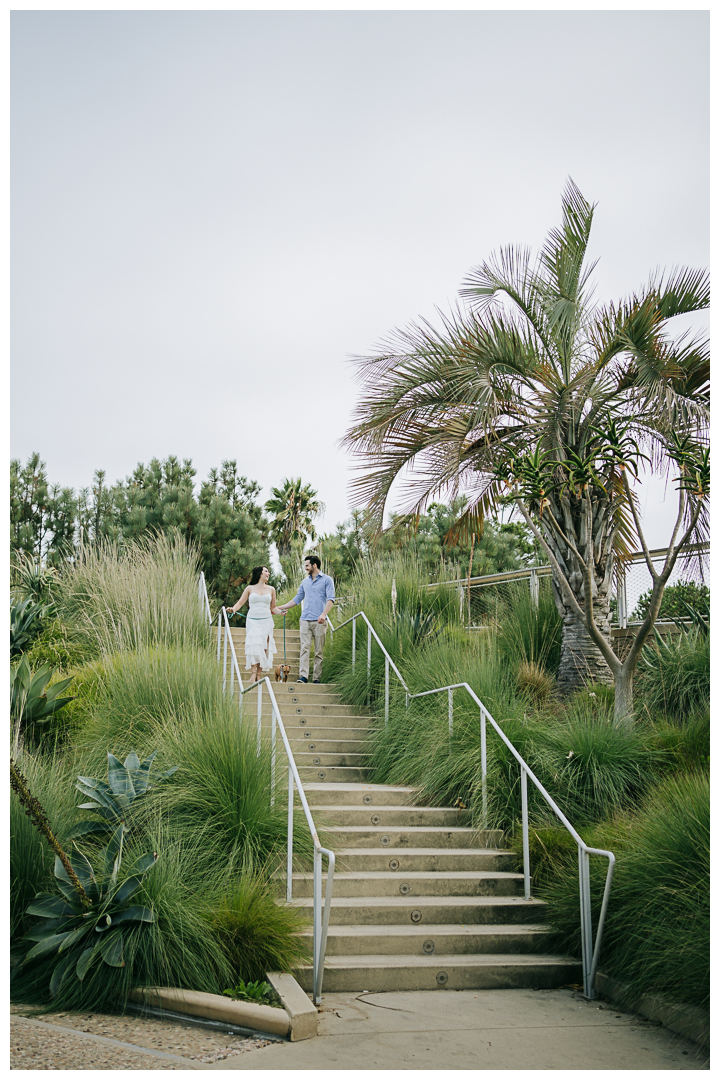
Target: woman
{"x":259,"y":625}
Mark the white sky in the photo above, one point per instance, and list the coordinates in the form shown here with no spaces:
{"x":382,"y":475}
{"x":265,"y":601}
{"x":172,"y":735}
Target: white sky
{"x":212,"y":210}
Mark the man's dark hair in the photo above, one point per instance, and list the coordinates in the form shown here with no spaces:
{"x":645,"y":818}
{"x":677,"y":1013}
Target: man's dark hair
{"x":257,"y":571}
{"x":313,"y":560}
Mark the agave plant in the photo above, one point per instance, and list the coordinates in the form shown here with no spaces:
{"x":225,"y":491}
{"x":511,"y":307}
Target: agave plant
{"x":26,"y":618}
{"x":31,"y":699}
{"x":115,"y":800}
{"x":86,"y":925}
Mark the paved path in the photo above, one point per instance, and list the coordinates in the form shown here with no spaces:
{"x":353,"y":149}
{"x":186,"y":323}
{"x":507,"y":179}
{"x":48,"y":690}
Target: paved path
{"x":482,"y":1029}
{"x":430,"y":1029}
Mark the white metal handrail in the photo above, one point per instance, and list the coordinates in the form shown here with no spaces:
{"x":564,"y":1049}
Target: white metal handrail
{"x":321,"y":911}
{"x":590,"y":954}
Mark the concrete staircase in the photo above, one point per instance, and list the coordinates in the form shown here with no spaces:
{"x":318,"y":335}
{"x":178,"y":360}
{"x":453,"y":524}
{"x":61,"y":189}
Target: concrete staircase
{"x":420,"y":899}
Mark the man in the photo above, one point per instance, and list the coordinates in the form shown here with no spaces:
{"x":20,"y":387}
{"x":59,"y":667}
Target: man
{"x":318,"y":593}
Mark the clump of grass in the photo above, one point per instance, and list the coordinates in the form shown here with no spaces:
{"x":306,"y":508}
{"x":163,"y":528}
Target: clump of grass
{"x":534,"y":681}
{"x":257,"y":934}
{"x":674,"y":676}
{"x":144,"y":593}
{"x":657,"y":935}
{"x":529,"y":632}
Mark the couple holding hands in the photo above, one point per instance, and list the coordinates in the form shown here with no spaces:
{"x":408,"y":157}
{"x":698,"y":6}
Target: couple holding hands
{"x":317,"y":595}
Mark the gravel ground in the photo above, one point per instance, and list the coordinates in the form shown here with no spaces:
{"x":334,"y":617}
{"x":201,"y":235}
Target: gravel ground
{"x":99,"y":1041}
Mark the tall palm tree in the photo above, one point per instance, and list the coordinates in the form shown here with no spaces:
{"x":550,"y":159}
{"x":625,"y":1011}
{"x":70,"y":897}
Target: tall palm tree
{"x":294,"y":507}
{"x":533,"y":393}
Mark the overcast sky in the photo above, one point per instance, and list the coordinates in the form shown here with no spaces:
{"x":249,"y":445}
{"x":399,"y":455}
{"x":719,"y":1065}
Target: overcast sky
{"x":211,"y":211}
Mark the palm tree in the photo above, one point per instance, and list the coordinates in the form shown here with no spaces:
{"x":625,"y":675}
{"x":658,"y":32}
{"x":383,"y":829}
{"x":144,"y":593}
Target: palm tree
{"x":534,"y":394}
{"x":294,"y":507}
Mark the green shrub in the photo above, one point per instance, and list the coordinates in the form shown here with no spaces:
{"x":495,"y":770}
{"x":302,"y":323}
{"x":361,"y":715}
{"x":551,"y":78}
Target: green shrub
{"x":657,"y":934}
{"x":54,"y":646}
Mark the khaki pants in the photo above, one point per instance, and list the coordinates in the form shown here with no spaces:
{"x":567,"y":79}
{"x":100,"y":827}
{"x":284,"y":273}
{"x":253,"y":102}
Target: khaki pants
{"x":311,"y":631}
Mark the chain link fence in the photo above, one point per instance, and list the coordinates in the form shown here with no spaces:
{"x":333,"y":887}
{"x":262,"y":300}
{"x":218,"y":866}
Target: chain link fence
{"x":485,"y":601}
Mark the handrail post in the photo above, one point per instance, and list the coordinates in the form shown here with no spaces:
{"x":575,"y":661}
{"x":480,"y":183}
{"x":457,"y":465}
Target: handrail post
{"x":353,"y":644}
{"x":317,"y":931}
{"x":291,"y":792}
{"x":387,"y":689}
{"x":585,"y":920}
{"x":259,"y":715}
{"x":232,"y":679}
{"x":369,"y":655}
{"x":226,"y":658}
{"x":450,"y":712}
{"x":483,"y":762}
{"x":525,"y":831}
{"x":219,"y":626}
{"x":272,"y":757}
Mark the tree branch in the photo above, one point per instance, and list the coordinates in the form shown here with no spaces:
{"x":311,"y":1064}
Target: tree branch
{"x":657,"y":595}
{"x":638,"y":527}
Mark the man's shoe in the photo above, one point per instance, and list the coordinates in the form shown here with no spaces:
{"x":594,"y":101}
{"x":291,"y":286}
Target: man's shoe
{"x":316,"y":681}
{"x":301,"y":678}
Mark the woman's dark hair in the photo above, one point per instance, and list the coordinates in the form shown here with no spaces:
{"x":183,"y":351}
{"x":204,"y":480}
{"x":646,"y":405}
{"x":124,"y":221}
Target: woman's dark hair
{"x":257,"y":571}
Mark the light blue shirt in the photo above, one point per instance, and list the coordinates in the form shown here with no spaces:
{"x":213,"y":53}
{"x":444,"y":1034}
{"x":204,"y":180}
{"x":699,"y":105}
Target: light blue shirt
{"x":316,"y":594}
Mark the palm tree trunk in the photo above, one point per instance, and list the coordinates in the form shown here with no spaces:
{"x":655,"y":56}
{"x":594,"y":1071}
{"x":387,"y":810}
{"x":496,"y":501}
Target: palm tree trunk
{"x":581,"y":661}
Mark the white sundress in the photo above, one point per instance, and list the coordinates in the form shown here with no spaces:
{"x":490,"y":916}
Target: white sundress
{"x":259,"y":624}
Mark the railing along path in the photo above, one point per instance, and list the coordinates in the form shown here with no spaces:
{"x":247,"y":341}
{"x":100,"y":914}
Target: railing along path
{"x":321,"y":912}
{"x":590,"y":953}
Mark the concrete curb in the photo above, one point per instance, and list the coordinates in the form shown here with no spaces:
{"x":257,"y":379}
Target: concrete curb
{"x":295,"y":1021}
{"x":686,"y":1020}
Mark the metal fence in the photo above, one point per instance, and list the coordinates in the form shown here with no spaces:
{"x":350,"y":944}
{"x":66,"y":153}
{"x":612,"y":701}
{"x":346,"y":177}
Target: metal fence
{"x":486,"y":601}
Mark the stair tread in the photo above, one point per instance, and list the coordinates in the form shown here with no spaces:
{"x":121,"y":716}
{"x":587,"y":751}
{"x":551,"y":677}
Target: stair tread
{"x":406,"y":960}
{"x":352,"y":786}
{"x":423,"y":901}
{"x":436,"y":929}
{"x":454,"y":852}
{"x":416,"y":875}
{"x":464,"y":829}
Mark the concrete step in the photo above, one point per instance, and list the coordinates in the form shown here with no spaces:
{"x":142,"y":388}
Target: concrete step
{"x":359,"y":794}
{"x":414,"y":910}
{"x":415,"y":883}
{"x":306,"y":695}
{"x":428,"y":940}
{"x":493,"y":971}
{"x":323,"y":731}
{"x":345,"y":760}
{"x":334,"y":774}
{"x":291,"y":712}
{"x":437,"y":859}
{"x":381,"y":817}
{"x":409,"y":836}
{"x":326,"y":746}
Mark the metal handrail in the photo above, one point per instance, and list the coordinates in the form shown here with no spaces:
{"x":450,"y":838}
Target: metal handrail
{"x":590,"y":954}
{"x":321,"y":911}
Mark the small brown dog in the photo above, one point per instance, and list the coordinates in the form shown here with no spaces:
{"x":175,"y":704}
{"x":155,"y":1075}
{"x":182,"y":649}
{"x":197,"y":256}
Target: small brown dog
{"x":281,"y":673}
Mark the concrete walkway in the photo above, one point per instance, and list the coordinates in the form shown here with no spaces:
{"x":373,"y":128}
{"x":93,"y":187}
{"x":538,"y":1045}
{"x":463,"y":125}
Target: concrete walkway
{"x":475,"y":1029}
